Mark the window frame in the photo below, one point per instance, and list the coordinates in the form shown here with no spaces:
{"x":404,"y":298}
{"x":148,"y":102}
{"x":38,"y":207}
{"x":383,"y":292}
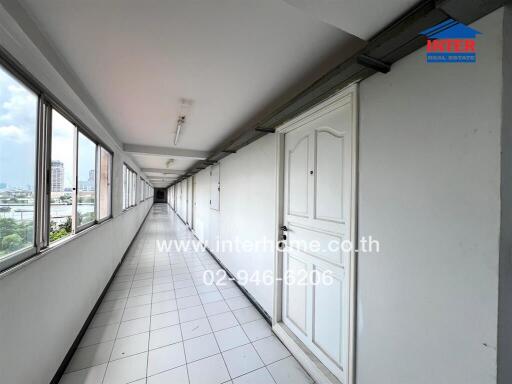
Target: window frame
{"x":110,"y":179}
{"x":46,"y":101}
{"x":131,"y":183}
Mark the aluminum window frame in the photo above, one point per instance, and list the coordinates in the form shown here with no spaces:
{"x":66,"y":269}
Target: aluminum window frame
{"x":47,"y":102}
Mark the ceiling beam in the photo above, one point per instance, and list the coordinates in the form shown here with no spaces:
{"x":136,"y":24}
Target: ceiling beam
{"x":162,"y":178}
{"x":165,"y":151}
{"x":163,"y":170}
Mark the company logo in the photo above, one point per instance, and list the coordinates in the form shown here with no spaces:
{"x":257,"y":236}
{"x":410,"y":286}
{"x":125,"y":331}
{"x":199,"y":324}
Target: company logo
{"x":451,"y":42}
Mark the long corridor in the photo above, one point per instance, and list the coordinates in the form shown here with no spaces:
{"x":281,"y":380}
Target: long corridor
{"x":161,"y":323}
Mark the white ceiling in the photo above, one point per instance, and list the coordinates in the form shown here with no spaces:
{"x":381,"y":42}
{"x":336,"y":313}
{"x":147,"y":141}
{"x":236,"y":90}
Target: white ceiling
{"x":235,"y":59}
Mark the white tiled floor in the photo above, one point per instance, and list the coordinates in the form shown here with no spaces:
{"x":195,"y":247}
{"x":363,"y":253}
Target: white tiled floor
{"x":159,"y":323}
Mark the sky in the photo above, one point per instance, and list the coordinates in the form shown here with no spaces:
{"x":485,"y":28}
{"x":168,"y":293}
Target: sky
{"x":18,"y":121}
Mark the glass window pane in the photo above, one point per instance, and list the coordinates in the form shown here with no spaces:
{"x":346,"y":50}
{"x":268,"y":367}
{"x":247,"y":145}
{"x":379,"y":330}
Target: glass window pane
{"x":86,"y":195}
{"x":124,"y":186}
{"x":62,"y":177}
{"x":18,"y":125}
{"x":104,"y":183}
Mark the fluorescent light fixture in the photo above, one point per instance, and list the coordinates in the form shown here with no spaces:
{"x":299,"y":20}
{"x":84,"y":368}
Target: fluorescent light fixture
{"x":181,"y":121}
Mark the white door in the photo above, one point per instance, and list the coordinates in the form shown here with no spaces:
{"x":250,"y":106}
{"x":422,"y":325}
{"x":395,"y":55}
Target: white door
{"x":317,"y":214}
{"x":183,"y":201}
{"x":190,"y":201}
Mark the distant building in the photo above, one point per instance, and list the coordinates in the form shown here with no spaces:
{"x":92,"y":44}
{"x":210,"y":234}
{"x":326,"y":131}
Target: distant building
{"x":57,"y":176}
{"x":89,"y":185}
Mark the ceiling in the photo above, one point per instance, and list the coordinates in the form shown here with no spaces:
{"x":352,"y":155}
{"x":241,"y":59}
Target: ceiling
{"x":235,"y":60}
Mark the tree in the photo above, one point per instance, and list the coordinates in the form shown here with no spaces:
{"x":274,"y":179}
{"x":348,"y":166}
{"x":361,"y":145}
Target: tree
{"x":11,"y":243}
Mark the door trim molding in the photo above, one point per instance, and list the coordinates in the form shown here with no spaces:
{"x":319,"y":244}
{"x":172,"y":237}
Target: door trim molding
{"x":318,"y":371}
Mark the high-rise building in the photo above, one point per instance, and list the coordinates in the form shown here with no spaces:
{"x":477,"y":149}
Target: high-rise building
{"x":57,"y":176}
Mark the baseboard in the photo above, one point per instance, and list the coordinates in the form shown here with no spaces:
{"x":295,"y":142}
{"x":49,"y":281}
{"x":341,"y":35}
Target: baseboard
{"x":76,"y":343}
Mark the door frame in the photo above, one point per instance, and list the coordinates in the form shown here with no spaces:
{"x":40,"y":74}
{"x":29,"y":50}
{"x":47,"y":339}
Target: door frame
{"x":309,"y":361}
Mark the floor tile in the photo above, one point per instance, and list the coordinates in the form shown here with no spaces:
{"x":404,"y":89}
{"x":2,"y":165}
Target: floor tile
{"x":257,"y":329}
{"x":200,"y":347}
{"x":106,"y":318}
{"x":139,"y":291}
{"x":138,"y":312}
{"x":223,"y":321}
{"x":189,"y":301}
{"x":210,"y":370}
{"x":288,"y":371}
{"x":260,"y":376}
{"x":164,"y":336}
{"x":163,"y":306}
{"x":231,"y":338}
{"x":271,"y":349}
{"x":185,"y":292}
{"x":210,"y":297}
{"x":195,"y":328}
{"x":113,"y":295}
{"x":92,"y":375}
{"x":138,"y":300}
{"x":99,"y":335}
{"x":90,"y":356}
{"x":133,"y":327}
{"x":215,"y":308}
{"x":164,"y":320}
{"x":183,"y":284}
{"x":163,"y":296}
{"x":129,"y":346}
{"x":165,"y":358}
{"x":245,"y":315}
{"x":142,"y":283}
{"x":242,"y":360}
{"x":163,"y":287}
{"x":238,"y":302}
{"x":192,"y":313}
{"x":174,"y":376}
{"x":109,"y":306}
{"x":231,"y":292}
{"x":126,"y":370}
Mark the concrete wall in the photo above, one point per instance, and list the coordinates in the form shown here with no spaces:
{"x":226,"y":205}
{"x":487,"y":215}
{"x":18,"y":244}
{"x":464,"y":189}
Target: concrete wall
{"x":45,"y":303}
{"x":505,"y":287}
{"x":247,"y":213}
{"x":430,"y":193}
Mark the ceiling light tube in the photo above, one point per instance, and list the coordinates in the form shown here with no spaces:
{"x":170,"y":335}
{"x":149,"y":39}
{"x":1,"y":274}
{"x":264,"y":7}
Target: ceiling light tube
{"x":181,"y":121}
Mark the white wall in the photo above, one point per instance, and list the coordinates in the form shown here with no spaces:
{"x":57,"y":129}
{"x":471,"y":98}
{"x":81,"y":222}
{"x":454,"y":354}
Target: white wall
{"x":429,"y":192}
{"x":505,"y":288}
{"x":247,"y":212}
{"x":45,"y":303}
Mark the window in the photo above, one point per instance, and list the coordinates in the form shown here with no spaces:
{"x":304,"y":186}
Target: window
{"x":134,"y":189}
{"x":129,"y":187}
{"x":67,"y":187}
{"x":141,"y":189}
{"x":86,"y":192}
{"x":18,"y":127}
{"x":62,"y":177}
{"x":104,"y":183}
{"x":80,"y":181}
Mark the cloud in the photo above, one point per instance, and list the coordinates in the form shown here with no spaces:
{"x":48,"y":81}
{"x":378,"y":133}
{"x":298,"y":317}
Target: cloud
{"x":13,"y":133}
